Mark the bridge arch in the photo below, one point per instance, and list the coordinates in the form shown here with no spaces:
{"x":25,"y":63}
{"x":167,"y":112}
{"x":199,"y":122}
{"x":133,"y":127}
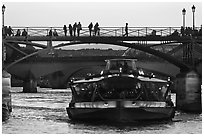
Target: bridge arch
{"x":170,"y":59}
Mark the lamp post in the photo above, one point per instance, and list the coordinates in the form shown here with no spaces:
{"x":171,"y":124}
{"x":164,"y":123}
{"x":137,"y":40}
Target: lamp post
{"x":184,"y":13}
{"x":3,"y":47}
{"x":193,"y":10}
{"x":3,"y":10}
{"x":192,"y":48}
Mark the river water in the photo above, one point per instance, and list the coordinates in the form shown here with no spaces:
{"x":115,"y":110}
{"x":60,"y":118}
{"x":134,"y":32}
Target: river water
{"x":44,"y":113}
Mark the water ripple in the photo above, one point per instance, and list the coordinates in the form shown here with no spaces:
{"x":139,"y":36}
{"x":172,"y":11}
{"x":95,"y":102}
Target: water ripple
{"x":44,"y":112}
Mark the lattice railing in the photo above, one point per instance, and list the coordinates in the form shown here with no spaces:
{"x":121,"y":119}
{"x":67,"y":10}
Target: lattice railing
{"x":104,"y":31}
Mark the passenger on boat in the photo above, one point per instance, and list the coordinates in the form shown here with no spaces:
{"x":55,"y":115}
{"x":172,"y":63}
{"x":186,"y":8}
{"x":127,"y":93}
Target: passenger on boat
{"x":125,"y":67}
{"x":118,"y":64}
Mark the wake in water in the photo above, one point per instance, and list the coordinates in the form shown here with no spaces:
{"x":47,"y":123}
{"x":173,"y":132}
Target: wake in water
{"x":45,"y":113}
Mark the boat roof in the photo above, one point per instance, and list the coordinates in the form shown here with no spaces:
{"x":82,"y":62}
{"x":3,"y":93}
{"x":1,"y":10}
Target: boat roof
{"x":88,"y":81}
{"x":141,"y":78}
{"x":122,"y":59}
{"x":147,"y":79}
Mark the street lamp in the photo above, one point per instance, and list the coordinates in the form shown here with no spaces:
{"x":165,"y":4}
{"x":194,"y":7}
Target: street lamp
{"x":4,"y":48}
{"x":184,"y":13}
{"x":193,"y":10}
{"x":3,"y":10}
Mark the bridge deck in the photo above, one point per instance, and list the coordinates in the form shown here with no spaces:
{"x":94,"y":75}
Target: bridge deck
{"x":102,"y":38}
{"x":106,"y":33}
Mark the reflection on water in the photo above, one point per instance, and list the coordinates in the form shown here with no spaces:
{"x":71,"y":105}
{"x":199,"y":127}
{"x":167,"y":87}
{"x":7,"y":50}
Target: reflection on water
{"x":44,"y":112}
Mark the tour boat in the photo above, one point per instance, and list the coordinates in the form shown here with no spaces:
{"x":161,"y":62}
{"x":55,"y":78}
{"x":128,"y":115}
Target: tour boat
{"x":121,"y":93}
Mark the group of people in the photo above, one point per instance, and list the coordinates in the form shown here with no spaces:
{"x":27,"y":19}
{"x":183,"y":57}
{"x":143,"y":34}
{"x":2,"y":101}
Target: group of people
{"x":54,"y":33}
{"x":73,"y":29}
{"x":96,"y":29}
{"x":24,"y":33}
{"x":78,"y":27}
{"x":8,"y":31}
{"x":189,"y":31}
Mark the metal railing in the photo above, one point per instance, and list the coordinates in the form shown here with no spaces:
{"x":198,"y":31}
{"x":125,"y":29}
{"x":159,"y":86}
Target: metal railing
{"x":104,"y":31}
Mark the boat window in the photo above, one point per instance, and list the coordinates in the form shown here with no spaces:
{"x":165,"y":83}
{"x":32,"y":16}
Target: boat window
{"x":116,"y":64}
{"x":155,"y":91}
{"x":84,"y":92}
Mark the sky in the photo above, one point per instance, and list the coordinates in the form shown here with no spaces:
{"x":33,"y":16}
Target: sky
{"x":111,"y":13}
{"x":106,"y":13}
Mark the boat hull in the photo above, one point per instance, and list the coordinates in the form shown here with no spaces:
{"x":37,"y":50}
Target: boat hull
{"x":121,"y":114}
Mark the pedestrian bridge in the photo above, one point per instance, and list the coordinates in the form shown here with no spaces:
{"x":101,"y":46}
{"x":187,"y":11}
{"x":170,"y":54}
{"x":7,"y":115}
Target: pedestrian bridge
{"x":139,"y":38}
{"x":110,"y":31}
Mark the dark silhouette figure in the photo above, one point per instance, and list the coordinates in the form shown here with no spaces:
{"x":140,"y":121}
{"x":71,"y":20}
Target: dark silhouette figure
{"x":188,"y":31}
{"x":70,"y":29}
{"x":125,"y":67}
{"x":4,"y":31}
{"x":55,"y":33}
{"x":90,"y":28}
{"x":74,"y":28}
{"x":18,"y":33}
{"x":126,"y":30}
{"x":50,"y":33}
{"x":200,"y":31}
{"x":182,"y":31}
{"x":96,"y":29}
{"x":153,"y":32}
{"x":10,"y":31}
{"x":79,"y":28}
{"x":24,"y":33}
{"x":175,"y":33}
{"x":65,"y":30}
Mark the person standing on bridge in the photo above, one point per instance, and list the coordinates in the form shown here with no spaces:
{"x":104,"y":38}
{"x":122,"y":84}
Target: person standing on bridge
{"x":10,"y":31}
{"x":70,"y":29}
{"x":65,"y":30}
{"x":126,"y":30}
{"x":24,"y":33}
{"x":50,"y":32}
{"x":90,"y":28}
{"x":96,"y":29}
{"x":74,"y":28}
{"x":79,"y":28}
{"x":55,"y":33}
{"x":18,"y":33}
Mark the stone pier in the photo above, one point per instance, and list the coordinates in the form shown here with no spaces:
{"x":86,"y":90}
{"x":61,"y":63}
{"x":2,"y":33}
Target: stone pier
{"x":188,"y":92}
{"x":30,"y":86}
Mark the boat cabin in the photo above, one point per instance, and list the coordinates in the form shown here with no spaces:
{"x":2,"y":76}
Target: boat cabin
{"x":120,"y":82}
{"x":121,"y":65}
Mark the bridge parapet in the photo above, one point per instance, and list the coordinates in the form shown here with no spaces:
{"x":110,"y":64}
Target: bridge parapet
{"x":106,"y":31}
